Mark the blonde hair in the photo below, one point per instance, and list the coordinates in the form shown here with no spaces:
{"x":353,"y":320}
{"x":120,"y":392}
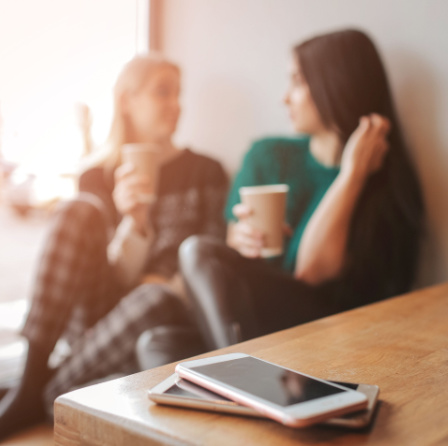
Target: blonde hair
{"x":131,"y":79}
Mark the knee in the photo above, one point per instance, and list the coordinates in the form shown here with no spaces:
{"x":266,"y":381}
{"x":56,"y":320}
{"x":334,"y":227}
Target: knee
{"x":152,"y":299}
{"x":196,"y":250}
{"x":85,"y":211}
{"x":168,"y":343}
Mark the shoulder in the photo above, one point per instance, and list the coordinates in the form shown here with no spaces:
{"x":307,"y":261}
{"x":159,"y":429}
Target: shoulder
{"x":97,"y":180}
{"x":100,"y":182}
{"x":273,"y":148}
{"x":203,"y":166}
{"x":91,"y":179}
{"x":201,"y":160}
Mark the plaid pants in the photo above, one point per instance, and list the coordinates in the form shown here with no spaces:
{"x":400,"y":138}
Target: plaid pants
{"x":77,"y":297}
{"x":109,"y":346}
{"x":74,"y":285}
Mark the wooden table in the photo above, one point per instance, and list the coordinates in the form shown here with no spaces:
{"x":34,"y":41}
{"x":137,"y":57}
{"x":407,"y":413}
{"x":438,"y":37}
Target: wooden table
{"x":400,"y":344}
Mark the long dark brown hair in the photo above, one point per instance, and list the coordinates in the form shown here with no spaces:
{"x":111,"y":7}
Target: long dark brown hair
{"x":347,"y":80}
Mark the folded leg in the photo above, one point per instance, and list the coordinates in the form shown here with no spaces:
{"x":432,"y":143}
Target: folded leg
{"x":73,"y":272}
{"x":109,"y":346}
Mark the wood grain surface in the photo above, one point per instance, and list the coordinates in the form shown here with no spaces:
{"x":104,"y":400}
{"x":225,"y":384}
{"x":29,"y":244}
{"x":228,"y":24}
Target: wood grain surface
{"x":400,"y":344}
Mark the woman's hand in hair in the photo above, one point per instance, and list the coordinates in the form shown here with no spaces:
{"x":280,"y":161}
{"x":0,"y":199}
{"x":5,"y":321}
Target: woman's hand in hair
{"x":322,"y":253}
{"x":130,"y":196}
{"x":366,"y":148}
{"x":243,"y":237}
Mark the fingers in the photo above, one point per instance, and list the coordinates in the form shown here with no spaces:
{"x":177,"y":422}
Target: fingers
{"x":366,"y":148}
{"x":253,"y":236}
{"x":248,"y":241}
{"x":374,"y":123}
{"x":127,"y":201}
{"x":381,"y":126}
{"x":127,"y":171}
{"x":131,"y":191}
{"x":381,"y":150}
{"x":126,"y":178}
{"x":376,"y":129}
{"x":123,"y":171}
{"x":380,"y":123}
{"x":241,"y":211}
{"x":364,"y":123}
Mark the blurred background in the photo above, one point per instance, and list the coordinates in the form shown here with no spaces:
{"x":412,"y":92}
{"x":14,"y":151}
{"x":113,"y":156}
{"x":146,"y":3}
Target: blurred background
{"x":59,"y":59}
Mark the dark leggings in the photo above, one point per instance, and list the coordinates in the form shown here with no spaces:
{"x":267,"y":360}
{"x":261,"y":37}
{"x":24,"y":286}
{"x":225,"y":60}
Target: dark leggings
{"x":238,"y":298}
{"x":74,"y":285}
{"x":77,"y":297}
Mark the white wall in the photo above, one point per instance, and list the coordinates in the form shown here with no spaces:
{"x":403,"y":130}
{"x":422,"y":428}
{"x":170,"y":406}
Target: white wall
{"x":235,"y":55}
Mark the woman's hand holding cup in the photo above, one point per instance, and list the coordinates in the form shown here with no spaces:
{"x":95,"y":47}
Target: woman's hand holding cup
{"x":260,"y":229}
{"x":242,"y":236}
{"x":130,"y":195}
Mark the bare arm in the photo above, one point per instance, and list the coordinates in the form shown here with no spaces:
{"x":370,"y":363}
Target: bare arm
{"x":128,"y":250}
{"x":323,"y":249}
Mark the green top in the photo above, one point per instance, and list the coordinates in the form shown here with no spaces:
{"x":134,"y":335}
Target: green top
{"x":285,"y":161}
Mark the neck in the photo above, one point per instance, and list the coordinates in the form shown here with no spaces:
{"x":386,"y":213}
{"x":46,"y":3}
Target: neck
{"x":327,"y":148}
{"x":169,"y":150}
{"x":165,"y":144}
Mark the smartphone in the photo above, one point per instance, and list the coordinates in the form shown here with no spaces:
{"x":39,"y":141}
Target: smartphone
{"x":174,"y":391}
{"x":285,"y":395}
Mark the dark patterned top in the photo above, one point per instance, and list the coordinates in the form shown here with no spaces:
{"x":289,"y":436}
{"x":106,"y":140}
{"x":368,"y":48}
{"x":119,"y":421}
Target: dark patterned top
{"x":192,"y":191}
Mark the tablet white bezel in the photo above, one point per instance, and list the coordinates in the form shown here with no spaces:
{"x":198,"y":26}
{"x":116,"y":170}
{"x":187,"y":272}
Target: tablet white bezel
{"x":301,"y":414}
{"x":157,"y":394}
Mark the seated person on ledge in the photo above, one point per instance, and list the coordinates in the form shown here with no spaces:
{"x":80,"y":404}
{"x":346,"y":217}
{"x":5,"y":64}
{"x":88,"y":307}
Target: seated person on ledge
{"x":106,"y":242}
{"x":354,"y":207}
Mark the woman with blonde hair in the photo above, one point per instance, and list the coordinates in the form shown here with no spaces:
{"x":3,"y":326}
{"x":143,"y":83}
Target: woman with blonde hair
{"x":108,"y":271}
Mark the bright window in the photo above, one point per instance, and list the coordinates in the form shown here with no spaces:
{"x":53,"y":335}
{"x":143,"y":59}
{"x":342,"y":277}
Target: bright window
{"x":55,"y":54}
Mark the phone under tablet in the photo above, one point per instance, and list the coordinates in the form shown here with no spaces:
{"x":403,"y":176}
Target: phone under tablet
{"x":178,"y":392}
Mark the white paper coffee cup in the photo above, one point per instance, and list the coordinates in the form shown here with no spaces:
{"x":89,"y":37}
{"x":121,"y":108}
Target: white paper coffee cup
{"x":268,"y":204}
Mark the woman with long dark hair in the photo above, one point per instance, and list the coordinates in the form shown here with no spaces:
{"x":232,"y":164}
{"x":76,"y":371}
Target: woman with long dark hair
{"x":354,"y":207}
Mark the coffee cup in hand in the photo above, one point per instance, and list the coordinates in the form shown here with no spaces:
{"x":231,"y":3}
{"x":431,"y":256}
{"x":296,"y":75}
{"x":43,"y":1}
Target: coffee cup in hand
{"x":268,"y":206}
{"x":146,"y":159}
